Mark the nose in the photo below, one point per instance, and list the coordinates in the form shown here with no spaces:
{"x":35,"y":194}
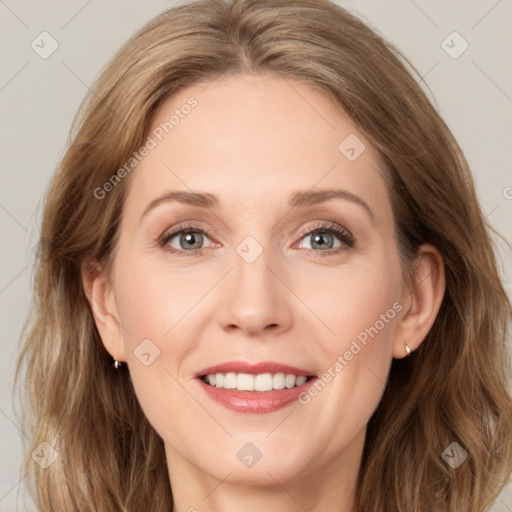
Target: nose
{"x":255,"y":300}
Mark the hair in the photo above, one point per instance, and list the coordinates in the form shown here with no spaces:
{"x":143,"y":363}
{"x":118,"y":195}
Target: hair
{"x":454,"y":388}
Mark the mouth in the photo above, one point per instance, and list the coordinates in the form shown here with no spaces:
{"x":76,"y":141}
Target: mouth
{"x":254,"y":388}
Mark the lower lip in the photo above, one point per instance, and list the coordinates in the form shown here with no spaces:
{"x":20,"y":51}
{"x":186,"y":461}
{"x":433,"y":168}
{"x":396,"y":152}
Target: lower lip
{"x":255,"y":402}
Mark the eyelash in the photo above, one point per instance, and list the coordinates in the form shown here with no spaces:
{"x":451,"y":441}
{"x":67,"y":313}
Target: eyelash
{"x":343,"y":234}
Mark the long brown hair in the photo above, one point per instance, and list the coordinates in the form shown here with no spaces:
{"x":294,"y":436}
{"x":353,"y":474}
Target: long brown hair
{"x":454,"y":388}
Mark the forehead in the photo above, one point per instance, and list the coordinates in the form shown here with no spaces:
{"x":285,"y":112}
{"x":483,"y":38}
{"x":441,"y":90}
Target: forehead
{"x":253,"y":140}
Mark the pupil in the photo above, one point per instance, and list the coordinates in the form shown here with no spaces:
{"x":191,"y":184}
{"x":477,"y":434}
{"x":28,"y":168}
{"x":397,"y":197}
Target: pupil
{"x":190,"y":237}
{"x":318,"y":237}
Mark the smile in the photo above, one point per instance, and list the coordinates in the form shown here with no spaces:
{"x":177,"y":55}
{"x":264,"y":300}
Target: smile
{"x":254,"y":388}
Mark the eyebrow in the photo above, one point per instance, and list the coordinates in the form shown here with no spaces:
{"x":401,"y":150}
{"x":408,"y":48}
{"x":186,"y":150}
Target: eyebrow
{"x":313,"y":197}
{"x":297,"y":199}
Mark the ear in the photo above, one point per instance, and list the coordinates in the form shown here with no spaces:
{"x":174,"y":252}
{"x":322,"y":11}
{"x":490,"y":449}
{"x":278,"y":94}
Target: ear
{"x":100,"y":294}
{"x":422,"y":300}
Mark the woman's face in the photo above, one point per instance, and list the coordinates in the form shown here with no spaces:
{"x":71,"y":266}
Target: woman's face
{"x":276,"y":270}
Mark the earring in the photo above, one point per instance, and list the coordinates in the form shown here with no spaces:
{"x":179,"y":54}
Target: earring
{"x":117,"y":364}
{"x":407,"y":349}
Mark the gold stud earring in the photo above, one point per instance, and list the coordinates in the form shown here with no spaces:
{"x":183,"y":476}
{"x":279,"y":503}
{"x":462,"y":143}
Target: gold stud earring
{"x":407,"y":349}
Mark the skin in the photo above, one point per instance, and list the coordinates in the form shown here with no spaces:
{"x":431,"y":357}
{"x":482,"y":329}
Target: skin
{"x":252,"y":141}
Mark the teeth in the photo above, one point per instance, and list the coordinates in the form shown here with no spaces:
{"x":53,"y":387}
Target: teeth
{"x":229,"y":380}
{"x":299,"y":381}
{"x":248,"y":382}
{"x":289,"y":381}
{"x":244,"y":382}
{"x":263,"y":382}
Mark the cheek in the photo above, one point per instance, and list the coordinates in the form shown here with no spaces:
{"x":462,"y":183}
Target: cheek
{"x":161,"y":312}
{"x":355,"y":351}
{"x":359,"y":307}
{"x":153,"y":300}
{"x":154,"y":309}
{"x":355,"y":302}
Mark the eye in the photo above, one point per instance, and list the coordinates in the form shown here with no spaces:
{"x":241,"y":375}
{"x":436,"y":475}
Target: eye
{"x":184,"y":240}
{"x":327,"y":239}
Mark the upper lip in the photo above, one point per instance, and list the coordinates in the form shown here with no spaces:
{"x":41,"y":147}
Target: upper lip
{"x":253,"y":368}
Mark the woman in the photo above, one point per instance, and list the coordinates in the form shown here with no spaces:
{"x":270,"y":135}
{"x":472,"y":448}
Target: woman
{"x":266,"y":281}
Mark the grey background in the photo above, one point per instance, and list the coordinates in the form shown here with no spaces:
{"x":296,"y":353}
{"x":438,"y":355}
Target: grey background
{"x":39,"y":97}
